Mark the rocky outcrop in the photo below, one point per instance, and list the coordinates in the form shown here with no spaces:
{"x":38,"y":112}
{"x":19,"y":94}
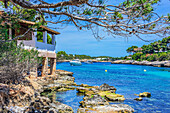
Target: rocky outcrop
{"x":138,"y":99}
{"x":116,"y":108}
{"x":114,"y":97}
{"x":20,"y":98}
{"x":154,"y":63}
{"x":61,"y":81}
{"x":97,"y":99}
{"x":64,"y":77}
{"x":19,"y":95}
{"x":106,"y":87}
{"x":87,"y":91}
{"x":41,"y":105}
{"x":145,"y":94}
{"x":57,"y":87}
{"x":93,"y":100}
{"x":61,"y":108}
{"x":27,"y":98}
{"x":167,"y":64}
{"x":63,"y":72}
{"x":105,"y":91}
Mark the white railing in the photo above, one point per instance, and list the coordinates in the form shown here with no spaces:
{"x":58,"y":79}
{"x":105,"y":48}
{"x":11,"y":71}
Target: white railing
{"x":39,"y":45}
{"x":32,"y":44}
{"x":44,"y":46}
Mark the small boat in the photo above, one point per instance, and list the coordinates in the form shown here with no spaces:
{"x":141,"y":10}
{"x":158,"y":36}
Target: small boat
{"x":89,"y":62}
{"x":75,"y":62}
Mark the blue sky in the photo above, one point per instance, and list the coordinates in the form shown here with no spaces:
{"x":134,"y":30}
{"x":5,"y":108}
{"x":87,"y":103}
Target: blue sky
{"x":83,"y":42}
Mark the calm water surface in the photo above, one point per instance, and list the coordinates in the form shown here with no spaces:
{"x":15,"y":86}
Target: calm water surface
{"x":128,"y":79}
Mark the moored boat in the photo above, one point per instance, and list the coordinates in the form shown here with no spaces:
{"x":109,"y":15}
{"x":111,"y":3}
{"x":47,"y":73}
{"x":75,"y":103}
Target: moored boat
{"x":89,"y":62}
{"x":75,"y":62}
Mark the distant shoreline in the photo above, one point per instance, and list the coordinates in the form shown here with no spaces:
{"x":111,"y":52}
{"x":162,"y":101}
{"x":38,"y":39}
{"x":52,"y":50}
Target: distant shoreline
{"x":147,"y":63}
{"x":82,"y":61}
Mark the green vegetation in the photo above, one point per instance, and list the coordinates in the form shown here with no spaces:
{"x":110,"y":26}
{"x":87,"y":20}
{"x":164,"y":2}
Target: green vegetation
{"x":156,"y":51}
{"x":157,"y":46}
{"x":62,"y":55}
{"x":162,"y":56}
{"x":40,"y":37}
{"x":131,"y":49}
{"x":15,"y":61}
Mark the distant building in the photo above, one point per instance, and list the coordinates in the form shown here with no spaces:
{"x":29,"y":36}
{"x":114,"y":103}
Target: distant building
{"x":103,"y":59}
{"x":160,"y":50}
{"x":137,"y":50}
{"x":98,"y":59}
{"x":129,"y":57}
{"x":148,"y":55}
{"x":168,"y":45}
{"x":156,"y":51}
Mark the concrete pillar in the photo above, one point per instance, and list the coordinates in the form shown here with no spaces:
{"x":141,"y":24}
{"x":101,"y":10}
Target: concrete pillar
{"x":45,"y":67}
{"x":34,"y":36}
{"x":10,"y":33}
{"x":45,"y":37}
{"x":52,"y":66}
{"x":53,"y":39}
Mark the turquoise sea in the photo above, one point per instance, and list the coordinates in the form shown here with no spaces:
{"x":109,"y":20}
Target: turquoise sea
{"x":128,"y":79}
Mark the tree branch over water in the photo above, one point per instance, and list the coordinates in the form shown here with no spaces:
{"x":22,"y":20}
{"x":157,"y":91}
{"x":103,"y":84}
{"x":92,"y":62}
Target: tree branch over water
{"x":132,"y":17}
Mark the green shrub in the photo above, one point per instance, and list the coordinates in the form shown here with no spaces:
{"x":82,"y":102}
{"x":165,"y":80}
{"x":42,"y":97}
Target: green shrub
{"x":163,"y":56}
{"x":168,"y":56}
{"x":143,"y":57}
{"x":15,"y":62}
{"x":153,"y":57}
{"x":136,"y":56}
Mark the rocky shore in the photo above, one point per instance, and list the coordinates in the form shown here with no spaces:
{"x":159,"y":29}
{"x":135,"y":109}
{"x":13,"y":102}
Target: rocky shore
{"x":97,"y":100}
{"x":28,"y":97}
{"x":38,"y":94}
{"x":147,"y":63}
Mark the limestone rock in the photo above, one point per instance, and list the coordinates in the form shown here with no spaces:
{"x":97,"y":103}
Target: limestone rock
{"x":61,"y":108}
{"x":114,"y":97}
{"x":94,"y":100}
{"x":53,"y":87}
{"x":86,"y":91}
{"x":145,"y":94}
{"x":62,"y":72}
{"x":106,"y":87}
{"x":66,"y":88}
{"x":110,"y":96}
{"x":115,"y":108}
{"x":138,"y":99}
{"x":15,"y":109}
{"x":84,"y":85}
{"x":35,"y":85}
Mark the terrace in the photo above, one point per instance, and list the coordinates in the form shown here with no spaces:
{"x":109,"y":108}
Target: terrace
{"x":30,"y":40}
